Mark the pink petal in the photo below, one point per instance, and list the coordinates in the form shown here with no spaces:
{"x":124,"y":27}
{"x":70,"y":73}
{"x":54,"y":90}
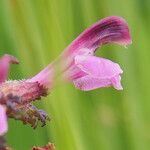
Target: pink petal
{"x":112,"y":29}
{"x":88,"y":83}
{"x":97,"y":67}
{"x":4,"y":66}
{"x":100,"y":73}
{"x":3,"y":120}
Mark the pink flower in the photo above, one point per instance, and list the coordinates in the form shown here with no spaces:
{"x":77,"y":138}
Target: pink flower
{"x":89,"y":72}
{"x":4,"y":67}
{"x":78,"y":62}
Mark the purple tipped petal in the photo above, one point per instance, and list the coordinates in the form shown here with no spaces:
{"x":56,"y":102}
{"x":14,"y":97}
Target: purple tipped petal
{"x":3,"y":120}
{"x":100,"y":72}
{"x":4,"y":66}
{"x":108,"y":30}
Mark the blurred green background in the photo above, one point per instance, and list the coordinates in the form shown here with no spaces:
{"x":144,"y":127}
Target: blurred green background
{"x":37,"y":31}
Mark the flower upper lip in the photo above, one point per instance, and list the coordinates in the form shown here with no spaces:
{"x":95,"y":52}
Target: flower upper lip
{"x":112,"y":29}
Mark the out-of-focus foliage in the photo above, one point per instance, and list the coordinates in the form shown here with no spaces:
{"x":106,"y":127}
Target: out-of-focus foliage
{"x":36,"y":32}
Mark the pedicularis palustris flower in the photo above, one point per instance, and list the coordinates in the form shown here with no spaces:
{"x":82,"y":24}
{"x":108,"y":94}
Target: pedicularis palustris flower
{"x":77,"y":64}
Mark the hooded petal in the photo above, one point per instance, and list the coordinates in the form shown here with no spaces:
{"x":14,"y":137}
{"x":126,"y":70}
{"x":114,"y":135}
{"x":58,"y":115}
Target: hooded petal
{"x":112,"y":29}
{"x":3,"y":120}
{"x":4,"y":66}
{"x":100,"y":72}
